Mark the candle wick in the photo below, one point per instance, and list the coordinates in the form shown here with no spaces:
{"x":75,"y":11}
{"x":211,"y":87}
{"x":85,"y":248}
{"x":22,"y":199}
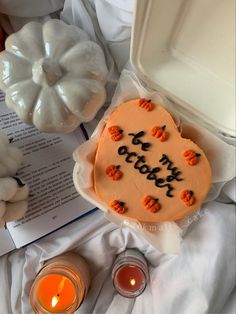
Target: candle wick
{"x":55,"y":299}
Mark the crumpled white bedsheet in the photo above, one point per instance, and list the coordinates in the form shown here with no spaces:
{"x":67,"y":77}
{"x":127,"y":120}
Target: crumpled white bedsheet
{"x":201,"y":279}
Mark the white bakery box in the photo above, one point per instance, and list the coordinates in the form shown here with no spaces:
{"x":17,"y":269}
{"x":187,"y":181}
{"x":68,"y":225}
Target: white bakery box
{"x":185,"y":49}
{"x":180,"y":50}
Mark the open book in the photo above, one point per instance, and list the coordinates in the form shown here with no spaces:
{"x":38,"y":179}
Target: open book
{"x":47,"y":168}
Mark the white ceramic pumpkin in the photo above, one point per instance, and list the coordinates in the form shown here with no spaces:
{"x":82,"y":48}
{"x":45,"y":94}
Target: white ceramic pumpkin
{"x":13,"y":199}
{"x":53,"y":76}
{"x":10,"y":157}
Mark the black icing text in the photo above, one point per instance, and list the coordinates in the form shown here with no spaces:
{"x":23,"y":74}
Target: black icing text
{"x":137,"y":141}
{"x":174,"y":170}
{"x":143,"y":168}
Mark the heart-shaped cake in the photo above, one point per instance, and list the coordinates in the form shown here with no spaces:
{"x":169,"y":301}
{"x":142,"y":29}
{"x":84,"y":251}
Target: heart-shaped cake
{"x":144,"y":169}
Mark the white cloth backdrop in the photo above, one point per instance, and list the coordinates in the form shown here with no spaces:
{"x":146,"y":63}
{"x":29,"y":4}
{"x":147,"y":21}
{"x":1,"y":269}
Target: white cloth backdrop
{"x":199,"y":280}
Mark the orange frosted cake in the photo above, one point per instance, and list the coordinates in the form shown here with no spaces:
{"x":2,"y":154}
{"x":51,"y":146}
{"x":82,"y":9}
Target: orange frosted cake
{"x":144,"y":169}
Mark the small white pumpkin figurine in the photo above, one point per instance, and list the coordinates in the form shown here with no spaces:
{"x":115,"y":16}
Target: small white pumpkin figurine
{"x":13,"y":199}
{"x":53,"y":76}
{"x":10,"y":157}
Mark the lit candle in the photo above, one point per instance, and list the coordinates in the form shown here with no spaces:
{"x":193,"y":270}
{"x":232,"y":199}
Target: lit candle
{"x":130,"y":273}
{"x":61,"y":285}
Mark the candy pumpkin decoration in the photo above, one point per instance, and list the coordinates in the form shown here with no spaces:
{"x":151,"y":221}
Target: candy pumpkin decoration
{"x":146,"y":104}
{"x":187,"y":197}
{"x":113,"y":172}
{"x":115,"y":132}
{"x":118,"y":207}
{"x":160,"y":133}
{"x":151,"y":204}
{"x":53,"y":76}
{"x":191,"y":157}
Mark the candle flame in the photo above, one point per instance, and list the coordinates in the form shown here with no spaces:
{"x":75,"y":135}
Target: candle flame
{"x":54,"y":301}
{"x":132,"y":282}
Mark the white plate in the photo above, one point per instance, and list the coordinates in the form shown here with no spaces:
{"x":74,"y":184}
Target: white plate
{"x":186,"y":49}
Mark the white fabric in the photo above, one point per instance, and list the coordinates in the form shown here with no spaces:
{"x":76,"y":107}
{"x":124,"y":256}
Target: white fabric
{"x":30,"y":8}
{"x":14,"y":14}
{"x":12,"y":24}
{"x":199,"y":280}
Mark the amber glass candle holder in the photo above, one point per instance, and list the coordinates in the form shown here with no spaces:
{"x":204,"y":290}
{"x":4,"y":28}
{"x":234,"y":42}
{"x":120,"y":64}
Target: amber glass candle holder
{"x":130,"y":273}
{"x":61,"y":285}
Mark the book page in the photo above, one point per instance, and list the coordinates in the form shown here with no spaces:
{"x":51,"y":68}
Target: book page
{"x":47,"y":168}
{"x":6,"y":243}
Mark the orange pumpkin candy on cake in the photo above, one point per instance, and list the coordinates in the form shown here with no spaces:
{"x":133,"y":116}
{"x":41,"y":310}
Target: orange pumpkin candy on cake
{"x":144,"y":169}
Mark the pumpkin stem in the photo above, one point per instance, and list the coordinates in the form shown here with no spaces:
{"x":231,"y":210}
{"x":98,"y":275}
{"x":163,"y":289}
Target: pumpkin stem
{"x":46,"y":71}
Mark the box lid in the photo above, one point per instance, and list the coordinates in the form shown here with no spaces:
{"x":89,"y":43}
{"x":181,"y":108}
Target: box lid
{"x":186,"y":50}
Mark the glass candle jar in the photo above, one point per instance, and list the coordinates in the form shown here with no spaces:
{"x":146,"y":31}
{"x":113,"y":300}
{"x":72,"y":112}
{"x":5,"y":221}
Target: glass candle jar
{"x":61,"y":285}
{"x":130,"y":273}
